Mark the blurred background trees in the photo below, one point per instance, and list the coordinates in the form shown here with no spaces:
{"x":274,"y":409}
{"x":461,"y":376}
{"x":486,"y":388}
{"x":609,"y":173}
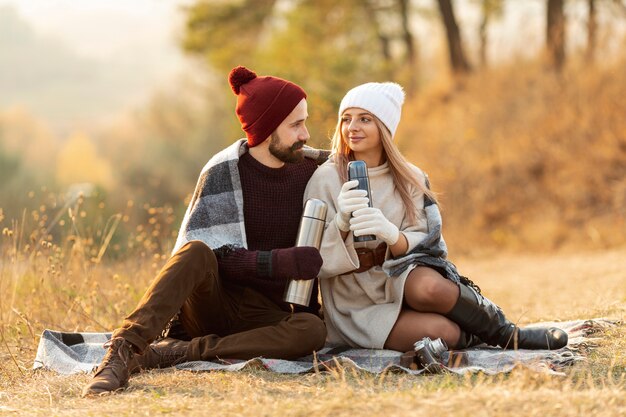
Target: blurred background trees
{"x":527,"y":147}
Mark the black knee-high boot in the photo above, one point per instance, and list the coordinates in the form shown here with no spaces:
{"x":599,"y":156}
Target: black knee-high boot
{"x":479,"y":316}
{"x":467,"y":340}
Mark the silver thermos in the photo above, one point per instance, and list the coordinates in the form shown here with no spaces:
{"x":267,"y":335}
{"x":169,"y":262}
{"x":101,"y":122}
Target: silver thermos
{"x":309,"y":234}
{"x":357,"y":170}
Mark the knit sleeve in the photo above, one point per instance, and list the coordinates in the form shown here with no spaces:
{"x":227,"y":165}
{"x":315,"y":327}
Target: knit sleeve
{"x":245,"y":267}
{"x":339,"y":256}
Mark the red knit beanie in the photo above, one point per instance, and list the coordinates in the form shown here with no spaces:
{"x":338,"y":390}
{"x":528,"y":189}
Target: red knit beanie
{"x":262,"y":102}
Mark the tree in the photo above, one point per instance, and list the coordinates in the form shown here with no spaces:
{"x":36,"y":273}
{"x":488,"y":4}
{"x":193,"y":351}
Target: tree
{"x":26,"y":147}
{"x":592,"y":28}
{"x":327,"y":59}
{"x":226,"y":32}
{"x":324,"y":45}
{"x":409,"y":42}
{"x":458,"y":62}
{"x":79,"y":160}
{"x":489,"y":9}
{"x":555,"y":33}
{"x":160,"y":149}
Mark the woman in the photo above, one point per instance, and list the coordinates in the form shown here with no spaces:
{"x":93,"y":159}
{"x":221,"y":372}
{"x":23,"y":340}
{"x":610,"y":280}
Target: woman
{"x":417,"y":293}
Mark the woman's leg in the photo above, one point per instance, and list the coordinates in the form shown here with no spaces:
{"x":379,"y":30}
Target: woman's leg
{"x":480,"y":316}
{"x":412,"y":326}
{"x":426,"y":290}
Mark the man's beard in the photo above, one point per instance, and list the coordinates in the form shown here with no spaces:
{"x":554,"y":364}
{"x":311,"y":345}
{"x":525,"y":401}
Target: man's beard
{"x":285,"y":154}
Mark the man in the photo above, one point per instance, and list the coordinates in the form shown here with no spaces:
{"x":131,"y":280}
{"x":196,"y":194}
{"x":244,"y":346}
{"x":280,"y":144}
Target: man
{"x":234,"y":254}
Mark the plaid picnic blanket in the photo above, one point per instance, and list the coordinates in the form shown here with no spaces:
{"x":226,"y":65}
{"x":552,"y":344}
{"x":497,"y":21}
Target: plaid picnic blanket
{"x":69,"y":353}
{"x":215,"y":212}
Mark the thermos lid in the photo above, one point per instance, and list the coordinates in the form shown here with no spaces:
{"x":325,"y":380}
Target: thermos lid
{"x":315,"y":208}
{"x":357,"y":169}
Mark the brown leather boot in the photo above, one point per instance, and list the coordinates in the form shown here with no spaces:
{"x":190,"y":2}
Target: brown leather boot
{"x":112,"y":374}
{"x":162,"y":354}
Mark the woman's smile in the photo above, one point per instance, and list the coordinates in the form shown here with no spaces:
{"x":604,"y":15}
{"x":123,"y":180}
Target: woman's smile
{"x":356,"y":139}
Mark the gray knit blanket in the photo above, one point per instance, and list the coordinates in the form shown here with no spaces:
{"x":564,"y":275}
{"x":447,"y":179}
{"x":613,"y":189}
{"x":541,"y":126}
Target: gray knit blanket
{"x":432,"y":251}
{"x":70,"y":353}
{"x":215,"y":212}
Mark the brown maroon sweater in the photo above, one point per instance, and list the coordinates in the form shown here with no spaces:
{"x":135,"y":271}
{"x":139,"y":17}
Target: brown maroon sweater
{"x":272,"y":208}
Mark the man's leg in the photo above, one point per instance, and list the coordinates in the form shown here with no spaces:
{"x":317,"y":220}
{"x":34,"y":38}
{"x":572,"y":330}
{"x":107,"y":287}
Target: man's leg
{"x":192,"y":270}
{"x":259,"y":328}
{"x":190,"y":274}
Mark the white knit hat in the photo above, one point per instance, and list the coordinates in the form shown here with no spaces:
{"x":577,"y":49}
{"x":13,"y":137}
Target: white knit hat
{"x":383,"y":100}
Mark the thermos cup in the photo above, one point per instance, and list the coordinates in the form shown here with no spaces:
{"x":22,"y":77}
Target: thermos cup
{"x":309,"y":234}
{"x":357,"y":170}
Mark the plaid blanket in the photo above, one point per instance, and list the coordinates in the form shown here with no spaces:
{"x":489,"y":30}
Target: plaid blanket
{"x":215,"y":212}
{"x":432,"y":251}
{"x":68,"y":353}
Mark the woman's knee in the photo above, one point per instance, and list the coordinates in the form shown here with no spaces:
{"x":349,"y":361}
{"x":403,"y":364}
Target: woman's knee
{"x":425,"y":286}
{"x":412,"y":326}
{"x":445,"y":329}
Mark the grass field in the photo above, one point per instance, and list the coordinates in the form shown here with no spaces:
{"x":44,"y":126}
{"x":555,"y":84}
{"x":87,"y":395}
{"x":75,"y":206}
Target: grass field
{"x":522,"y":159}
{"x":528,"y":287}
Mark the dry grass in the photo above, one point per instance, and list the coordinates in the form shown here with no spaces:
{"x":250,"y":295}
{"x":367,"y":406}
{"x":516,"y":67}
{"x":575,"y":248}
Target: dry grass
{"x":524,"y":158}
{"x":263,"y":394}
{"x":529,"y":287}
{"x":515,"y":175}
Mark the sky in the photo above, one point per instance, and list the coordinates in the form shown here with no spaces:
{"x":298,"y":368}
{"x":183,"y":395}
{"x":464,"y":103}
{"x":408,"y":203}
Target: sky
{"x":106,"y":56}
{"x":104,"y":28}
{"x":129,"y":48}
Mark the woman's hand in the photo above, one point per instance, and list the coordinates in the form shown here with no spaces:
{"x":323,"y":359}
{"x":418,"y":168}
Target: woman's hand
{"x":348,"y":201}
{"x":372,"y":221}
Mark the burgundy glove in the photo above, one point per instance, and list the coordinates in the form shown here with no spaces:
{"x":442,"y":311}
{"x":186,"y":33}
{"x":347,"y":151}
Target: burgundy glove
{"x":302,"y":262}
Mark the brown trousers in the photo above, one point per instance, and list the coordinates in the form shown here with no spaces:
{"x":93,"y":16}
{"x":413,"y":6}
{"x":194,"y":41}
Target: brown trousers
{"x":224,"y":321}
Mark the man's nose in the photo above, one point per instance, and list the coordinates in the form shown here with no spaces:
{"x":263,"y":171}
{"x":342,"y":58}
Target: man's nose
{"x":304,"y":135}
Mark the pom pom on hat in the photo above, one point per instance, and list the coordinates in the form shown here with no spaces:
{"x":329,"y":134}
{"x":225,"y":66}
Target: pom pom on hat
{"x":240,"y":76}
{"x":263,"y":102}
{"x":383,"y":100}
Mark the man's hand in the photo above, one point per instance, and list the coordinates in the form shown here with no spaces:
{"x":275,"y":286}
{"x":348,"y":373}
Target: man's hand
{"x":372,"y":221}
{"x":301,"y":262}
{"x":349,"y":200}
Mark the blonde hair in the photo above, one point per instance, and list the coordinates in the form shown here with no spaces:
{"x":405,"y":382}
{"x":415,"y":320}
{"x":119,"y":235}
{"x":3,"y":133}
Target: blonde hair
{"x":401,"y":171}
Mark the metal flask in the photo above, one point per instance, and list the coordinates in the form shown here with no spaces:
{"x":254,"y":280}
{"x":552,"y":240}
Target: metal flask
{"x":309,"y":234}
{"x":357,"y":170}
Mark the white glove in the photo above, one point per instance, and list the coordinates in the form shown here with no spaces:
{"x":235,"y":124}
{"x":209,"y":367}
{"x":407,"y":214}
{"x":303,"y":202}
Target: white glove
{"x":348,"y":201}
{"x":372,"y":221}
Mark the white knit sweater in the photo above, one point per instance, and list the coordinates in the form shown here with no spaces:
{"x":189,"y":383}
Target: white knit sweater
{"x":360,"y":309}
